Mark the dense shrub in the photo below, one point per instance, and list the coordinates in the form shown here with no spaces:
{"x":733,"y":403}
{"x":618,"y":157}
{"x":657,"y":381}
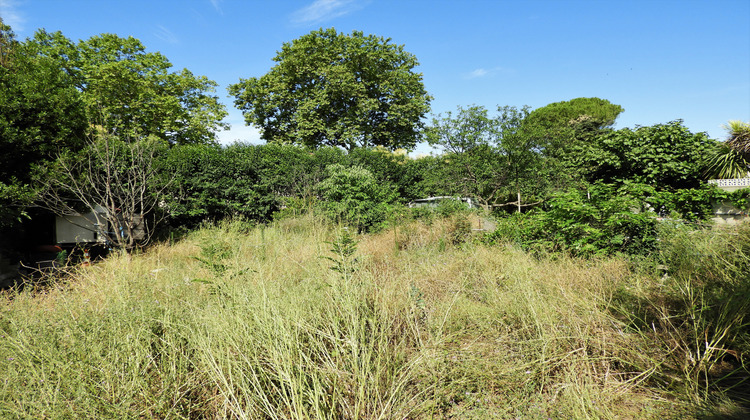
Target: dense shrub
{"x":606,"y":218}
{"x":665,"y":156}
{"x":211,"y":183}
{"x":583,"y":223}
{"x":253,"y":182}
{"x":354,"y":196}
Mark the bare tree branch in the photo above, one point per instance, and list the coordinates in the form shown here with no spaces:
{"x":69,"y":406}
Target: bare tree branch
{"x":114,"y":181}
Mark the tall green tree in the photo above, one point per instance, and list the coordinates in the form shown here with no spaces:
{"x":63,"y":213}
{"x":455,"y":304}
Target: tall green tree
{"x":8,"y":43}
{"x":133,"y":93}
{"x":468,"y":129}
{"x":497,"y":160}
{"x":329,"y":88}
{"x":593,"y":113}
{"x":570,"y":129}
{"x":41,"y":114}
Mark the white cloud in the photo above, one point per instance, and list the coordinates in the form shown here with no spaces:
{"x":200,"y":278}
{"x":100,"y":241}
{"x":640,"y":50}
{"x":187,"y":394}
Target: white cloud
{"x":166,"y":35}
{"x":477,"y":73}
{"x":482,"y":72}
{"x":217,"y":5}
{"x":322,"y":10}
{"x":11,"y":16}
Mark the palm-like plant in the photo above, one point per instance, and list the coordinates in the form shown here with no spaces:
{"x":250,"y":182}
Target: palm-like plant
{"x":739,"y":136}
{"x":732,"y":158}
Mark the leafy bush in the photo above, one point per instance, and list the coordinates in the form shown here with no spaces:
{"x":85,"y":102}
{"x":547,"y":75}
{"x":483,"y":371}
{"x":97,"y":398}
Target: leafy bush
{"x":666,"y":156}
{"x":451,"y":207}
{"x":385,"y":165}
{"x":691,"y":204}
{"x":585,"y":224}
{"x":459,"y":230}
{"x":424,"y":214}
{"x":354,"y":196}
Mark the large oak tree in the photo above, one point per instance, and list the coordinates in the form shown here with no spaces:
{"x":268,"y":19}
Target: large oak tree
{"x":329,"y":88}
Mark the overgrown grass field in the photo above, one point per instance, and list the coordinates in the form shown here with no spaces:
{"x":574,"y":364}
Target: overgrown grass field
{"x":300,"y":319}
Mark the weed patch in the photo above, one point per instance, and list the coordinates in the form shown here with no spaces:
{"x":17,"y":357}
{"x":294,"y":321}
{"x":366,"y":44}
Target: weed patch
{"x":372,"y":330}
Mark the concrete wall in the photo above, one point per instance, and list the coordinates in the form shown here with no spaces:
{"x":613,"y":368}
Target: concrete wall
{"x":727,"y":214}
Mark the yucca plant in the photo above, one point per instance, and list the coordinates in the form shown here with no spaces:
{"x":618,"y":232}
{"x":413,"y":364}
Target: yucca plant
{"x":732,"y":159}
{"x":739,"y":136}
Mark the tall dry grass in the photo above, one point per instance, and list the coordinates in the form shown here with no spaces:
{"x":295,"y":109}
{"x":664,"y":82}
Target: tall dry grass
{"x":243,"y":322}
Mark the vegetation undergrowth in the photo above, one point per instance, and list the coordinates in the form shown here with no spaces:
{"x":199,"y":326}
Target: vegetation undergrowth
{"x":304,"y":319}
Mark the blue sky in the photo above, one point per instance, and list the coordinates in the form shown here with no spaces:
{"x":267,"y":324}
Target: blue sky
{"x":660,"y":60}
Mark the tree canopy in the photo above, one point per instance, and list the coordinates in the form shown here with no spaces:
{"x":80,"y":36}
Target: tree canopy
{"x":329,"y":88}
{"x":132,"y":93}
{"x":665,"y":156}
{"x":571,"y":129}
{"x":57,"y":97}
{"x":594,"y":113}
{"x":493,"y":159}
{"x":41,"y":113}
